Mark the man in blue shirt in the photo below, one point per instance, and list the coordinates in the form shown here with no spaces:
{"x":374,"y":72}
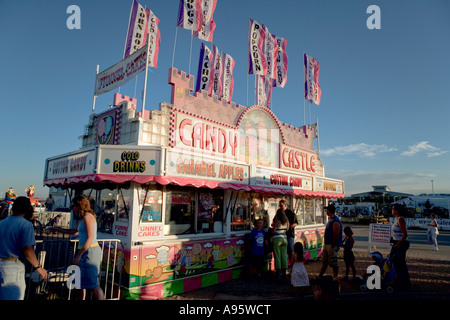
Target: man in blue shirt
{"x":16,"y":243}
{"x":332,"y":242}
{"x":257,"y":242}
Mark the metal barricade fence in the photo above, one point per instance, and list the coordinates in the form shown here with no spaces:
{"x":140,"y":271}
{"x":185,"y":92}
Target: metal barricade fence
{"x":56,"y":255}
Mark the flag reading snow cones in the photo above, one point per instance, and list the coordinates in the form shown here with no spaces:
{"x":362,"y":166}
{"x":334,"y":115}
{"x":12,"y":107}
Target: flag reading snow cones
{"x":206,"y":28}
{"x":137,"y":29}
{"x":154,"y":38}
{"x":312,"y":87}
{"x":256,"y":57}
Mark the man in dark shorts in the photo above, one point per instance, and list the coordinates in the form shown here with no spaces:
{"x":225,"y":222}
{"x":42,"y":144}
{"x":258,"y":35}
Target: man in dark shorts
{"x":332,"y":242}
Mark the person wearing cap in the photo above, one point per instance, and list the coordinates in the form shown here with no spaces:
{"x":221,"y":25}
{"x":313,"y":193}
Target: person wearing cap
{"x":332,"y":242}
{"x":16,"y":244}
{"x":377,"y":258}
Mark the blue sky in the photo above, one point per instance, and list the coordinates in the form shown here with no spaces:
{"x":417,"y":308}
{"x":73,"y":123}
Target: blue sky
{"x":385,"y":105}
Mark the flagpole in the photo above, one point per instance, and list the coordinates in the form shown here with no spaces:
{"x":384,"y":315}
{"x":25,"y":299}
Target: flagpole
{"x":145,"y":79}
{"x":247,"y":86}
{"x":309,"y":105}
{"x":304,"y":90}
{"x":95,"y":97}
{"x":174,"y":45}
{"x":135,"y":85}
{"x":256,"y":93}
{"x":248,"y":59}
{"x":304,"y":111}
{"x":317,"y":133}
{"x":190,"y":52}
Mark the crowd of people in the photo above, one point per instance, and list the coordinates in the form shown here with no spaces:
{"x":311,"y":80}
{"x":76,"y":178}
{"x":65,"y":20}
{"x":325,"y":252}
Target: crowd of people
{"x":288,"y":255}
{"x":17,"y":234}
{"x":18,"y":241}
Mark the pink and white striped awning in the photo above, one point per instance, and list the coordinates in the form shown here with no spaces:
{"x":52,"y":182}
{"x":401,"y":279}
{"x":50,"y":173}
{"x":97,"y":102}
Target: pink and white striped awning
{"x":198,"y":183}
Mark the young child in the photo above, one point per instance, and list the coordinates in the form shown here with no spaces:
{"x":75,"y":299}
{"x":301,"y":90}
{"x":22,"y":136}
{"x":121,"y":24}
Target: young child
{"x":349,"y":257}
{"x":257,"y":243}
{"x":377,"y":259}
{"x":299,"y":276}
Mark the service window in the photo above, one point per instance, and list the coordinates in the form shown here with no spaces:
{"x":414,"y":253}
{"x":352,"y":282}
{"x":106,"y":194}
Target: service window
{"x":309,"y":211}
{"x":241,"y":212}
{"x":107,"y":209}
{"x":150,"y":204}
{"x":313,"y":211}
{"x":210,"y":211}
{"x":179,"y":211}
{"x":259,"y":211}
{"x":110,"y":204}
{"x":299,"y":210}
{"x":319,"y":211}
{"x":124,"y":196}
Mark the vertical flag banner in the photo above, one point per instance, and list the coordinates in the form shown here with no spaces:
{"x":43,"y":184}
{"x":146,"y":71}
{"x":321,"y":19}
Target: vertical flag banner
{"x":312,"y":87}
{"x":154,"y":36}
{"x":188,"y":15}
{"x":206,"y":8}
{"x":257,"y":59}
{"x":271,"y":53}
{"x":263,"y":91}
{"x":260,"y":92}
{"x":282,"y":63}
{"x":227,"y":81}
{"x":137,"y":29}
{"x":268,"y":88}
{"x":215,"y":85}
{"x":205,"y":69}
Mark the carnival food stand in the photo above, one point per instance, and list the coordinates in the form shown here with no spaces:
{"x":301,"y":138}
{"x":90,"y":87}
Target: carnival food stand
{"x":185,"y":183}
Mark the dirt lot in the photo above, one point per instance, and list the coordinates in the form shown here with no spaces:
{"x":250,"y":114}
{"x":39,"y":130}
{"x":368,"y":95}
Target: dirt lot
{"x":430,"y":276}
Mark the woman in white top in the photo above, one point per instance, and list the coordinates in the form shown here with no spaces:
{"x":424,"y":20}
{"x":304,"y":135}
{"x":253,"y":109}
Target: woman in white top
{"x":401,"y":245}
{"x":433,"y":232}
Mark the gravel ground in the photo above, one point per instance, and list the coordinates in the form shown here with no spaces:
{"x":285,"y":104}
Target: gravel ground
{"x":430,"y":278}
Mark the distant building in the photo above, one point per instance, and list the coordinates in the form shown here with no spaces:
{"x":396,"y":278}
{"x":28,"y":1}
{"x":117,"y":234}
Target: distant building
{"x":380,"y":191}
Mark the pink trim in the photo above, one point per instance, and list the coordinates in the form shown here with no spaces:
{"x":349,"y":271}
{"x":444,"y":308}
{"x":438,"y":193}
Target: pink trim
{"x":269,"y":111}
{"x":224,"y":276}
{"x":192,"y":283}
{"x":198,"y":183}
{"x":152,"y":292}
